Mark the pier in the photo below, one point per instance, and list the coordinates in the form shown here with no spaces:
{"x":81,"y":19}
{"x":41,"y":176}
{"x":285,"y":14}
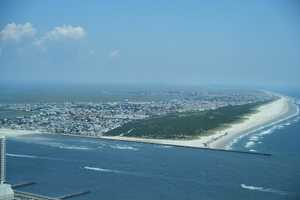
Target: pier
{"x":68,"y":196}
{"x":20,"y":195}
{"x":171,"y":145}
{"x":188,"y":147}
{"x":23,"y":184}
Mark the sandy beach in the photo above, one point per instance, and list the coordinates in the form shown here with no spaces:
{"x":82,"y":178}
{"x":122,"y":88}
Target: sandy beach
{"x":266,"y":115}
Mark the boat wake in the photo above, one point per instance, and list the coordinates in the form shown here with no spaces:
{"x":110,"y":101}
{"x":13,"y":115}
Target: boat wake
{"x":20,"y":156}
{"x":262,"y":189}
{"x":163,"y":177}
{"x":34,"y":157}
{"x":107,"y":170}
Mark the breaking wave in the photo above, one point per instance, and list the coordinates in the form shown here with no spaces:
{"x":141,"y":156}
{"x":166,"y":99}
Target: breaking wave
{"x":249,"y":144}
{"x":262,"y":189}
{"x":279,"y":124}
{"x":255,"y":138}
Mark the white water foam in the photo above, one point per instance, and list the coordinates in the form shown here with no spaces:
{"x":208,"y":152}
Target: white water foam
{"x":296,"y":119}
{"x":124,"y":147}
{"x":274,"y":125}
{"x":52,"y":143}
{"x":262,"y":189}
{"x":165,"y":146}
{"x":260,"y":135}
{"x":254,"y":139}
{"x":249,"y":144}
{"x":64,"y":146}
{"x":73,"y":147}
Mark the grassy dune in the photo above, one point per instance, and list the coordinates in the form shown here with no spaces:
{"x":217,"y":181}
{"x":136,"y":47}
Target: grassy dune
{"x":184,"y":125}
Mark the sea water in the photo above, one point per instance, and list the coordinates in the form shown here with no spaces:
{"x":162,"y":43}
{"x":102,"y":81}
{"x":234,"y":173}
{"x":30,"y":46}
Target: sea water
{"x":124,"y":170}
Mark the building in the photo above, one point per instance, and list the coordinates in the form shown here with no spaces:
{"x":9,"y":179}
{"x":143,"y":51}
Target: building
{"x":2,"y":160}
{"x":6,"y":192}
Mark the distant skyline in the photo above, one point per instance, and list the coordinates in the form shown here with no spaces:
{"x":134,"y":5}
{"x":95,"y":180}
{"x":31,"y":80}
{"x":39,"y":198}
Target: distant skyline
{"x":145,"y":42}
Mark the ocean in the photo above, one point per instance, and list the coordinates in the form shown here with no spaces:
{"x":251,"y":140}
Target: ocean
{"x":116,"y":170}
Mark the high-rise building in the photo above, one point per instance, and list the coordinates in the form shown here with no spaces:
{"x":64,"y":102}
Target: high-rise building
{"x":2,"y":160}
{"x":6,"y":193}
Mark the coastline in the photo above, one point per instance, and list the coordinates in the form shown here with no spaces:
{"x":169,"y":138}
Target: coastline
{"x":266,"y":115}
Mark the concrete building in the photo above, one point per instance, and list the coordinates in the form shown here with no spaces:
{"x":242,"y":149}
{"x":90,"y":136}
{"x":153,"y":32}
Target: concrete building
{"x":6,"y":192}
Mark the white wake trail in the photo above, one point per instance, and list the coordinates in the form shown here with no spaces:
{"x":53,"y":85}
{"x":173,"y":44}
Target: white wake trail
{"x":262,"y":189}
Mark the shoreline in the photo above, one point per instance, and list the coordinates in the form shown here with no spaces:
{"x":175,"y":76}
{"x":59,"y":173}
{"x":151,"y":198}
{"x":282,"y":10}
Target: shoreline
{"x":267,"y":115}
{"x":290,"y":111}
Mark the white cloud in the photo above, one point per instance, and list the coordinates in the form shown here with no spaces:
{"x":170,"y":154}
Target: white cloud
{"x":17,"y":32}
{"x":66,"y":32}
{"x":115,"y":53}
{"x":62,"y":32}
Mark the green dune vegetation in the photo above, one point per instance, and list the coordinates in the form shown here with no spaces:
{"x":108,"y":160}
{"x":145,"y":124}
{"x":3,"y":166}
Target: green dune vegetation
{"x":185,"y":125}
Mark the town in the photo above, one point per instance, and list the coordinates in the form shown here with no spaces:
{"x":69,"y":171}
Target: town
{"x":97,"y":118}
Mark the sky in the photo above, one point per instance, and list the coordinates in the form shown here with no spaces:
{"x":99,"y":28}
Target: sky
{"x":198,"y":42}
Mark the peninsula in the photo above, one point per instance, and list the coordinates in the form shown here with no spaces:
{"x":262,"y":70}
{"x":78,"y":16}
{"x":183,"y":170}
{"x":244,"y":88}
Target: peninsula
{"x":212,"y":119}
{"x":256,"y":117}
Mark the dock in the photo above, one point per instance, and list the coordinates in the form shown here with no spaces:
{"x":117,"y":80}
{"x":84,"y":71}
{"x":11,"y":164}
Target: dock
{"x":19,"y":195}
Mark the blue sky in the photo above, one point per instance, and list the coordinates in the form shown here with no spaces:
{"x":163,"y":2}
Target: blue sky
{"x":146,"y":42}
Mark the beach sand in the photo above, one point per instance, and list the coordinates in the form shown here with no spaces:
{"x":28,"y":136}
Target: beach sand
{"x":267,"y":114}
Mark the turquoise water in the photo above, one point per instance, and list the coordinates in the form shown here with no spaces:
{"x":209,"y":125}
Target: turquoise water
{"x":123,"y":170}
